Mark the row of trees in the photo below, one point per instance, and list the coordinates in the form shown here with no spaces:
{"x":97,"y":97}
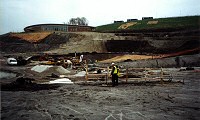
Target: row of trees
{"x":78,"y":21}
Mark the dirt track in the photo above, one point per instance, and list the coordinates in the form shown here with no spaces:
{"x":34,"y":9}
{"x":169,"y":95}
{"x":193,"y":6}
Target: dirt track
{"x":174,"y":101}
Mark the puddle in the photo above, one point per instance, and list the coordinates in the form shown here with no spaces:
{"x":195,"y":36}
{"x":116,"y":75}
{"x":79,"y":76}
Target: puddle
{"x":7,"y":75}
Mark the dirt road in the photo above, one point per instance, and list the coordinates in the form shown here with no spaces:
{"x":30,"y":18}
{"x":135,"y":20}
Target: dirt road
{"x":174,"y":101}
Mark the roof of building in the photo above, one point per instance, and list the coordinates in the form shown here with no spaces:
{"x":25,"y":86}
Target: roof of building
{"x":37,"y":25}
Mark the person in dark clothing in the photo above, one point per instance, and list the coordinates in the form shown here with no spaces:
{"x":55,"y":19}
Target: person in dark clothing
{"x":117,"y":75}
{"x":114,"y":74}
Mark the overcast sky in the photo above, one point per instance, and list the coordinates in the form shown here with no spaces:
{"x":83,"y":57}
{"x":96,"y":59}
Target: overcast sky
{"x":17,"y":14}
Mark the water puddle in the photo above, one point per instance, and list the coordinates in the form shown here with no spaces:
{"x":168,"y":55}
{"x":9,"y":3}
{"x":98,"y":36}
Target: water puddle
{"x":7,"y":75}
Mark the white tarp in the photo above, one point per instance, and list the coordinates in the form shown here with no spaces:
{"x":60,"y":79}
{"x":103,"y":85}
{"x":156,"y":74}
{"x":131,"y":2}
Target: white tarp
{"x":80,"y":74}
{"x":62,"y":80}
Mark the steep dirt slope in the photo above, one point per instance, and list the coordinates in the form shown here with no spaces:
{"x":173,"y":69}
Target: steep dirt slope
{"x":122,"y":58}
{"x":86,"y":42}
{"x":31,"y":37}
{"x":63,"y":43}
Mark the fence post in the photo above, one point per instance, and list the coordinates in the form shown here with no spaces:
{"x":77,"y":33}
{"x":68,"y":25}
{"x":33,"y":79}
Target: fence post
{"x":161,"y":76}
{"x":145,"y":74}
{"x":126,"y":74}
{"x":107,"y":76}
{"x":86,"y":75}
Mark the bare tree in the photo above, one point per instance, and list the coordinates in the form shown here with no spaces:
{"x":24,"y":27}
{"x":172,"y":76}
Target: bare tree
{"x":78,"y":21}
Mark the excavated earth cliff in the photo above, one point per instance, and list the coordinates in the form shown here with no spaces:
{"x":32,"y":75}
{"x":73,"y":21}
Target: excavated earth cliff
{"x":63,"y":43}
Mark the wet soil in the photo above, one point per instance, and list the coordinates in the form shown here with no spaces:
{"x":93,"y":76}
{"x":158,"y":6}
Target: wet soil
{"x":170,"y":101}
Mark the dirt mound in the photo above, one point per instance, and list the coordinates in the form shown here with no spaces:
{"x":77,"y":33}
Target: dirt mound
{"x":46,"y":70}
{"x":126,"y":57}
{"x":31,"y":37}
{"x":26,"y":84}
{"x":40,"y":68}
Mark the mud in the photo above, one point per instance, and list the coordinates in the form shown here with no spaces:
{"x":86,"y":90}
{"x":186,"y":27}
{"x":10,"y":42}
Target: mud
{"x":93,"y":100}
{"x":174,"y":101}
{"x":26,"y":84}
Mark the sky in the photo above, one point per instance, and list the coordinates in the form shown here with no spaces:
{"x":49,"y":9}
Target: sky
{"x":15,"y":15}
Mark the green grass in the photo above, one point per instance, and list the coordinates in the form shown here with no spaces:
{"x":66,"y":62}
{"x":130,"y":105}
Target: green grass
{"x":163,"y":23}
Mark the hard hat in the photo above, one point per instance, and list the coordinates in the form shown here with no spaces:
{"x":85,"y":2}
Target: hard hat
{"x":112,"y":63}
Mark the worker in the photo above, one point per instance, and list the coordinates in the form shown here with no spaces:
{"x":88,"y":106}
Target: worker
{"x":81,"y":59}
{"x":114,"y":74}
{"x":118,"y":74}
{"x":69,"y":64}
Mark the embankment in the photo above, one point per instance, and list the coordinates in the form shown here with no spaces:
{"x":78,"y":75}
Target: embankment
{"x":178,"y":61}
{"x":63,"y":43}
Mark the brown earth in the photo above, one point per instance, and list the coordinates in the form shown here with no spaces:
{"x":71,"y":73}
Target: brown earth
{"x":31,"y":37}
{"x":125,"y":57}
{"x":63,"y":43}
{"x":125,"y":26}
{"x":152,"y":22}
{"x":122,"y":58}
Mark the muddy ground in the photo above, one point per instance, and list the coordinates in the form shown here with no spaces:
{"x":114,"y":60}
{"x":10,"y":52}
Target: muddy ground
{"x":150,"y":101}
{"x":91,"y":101}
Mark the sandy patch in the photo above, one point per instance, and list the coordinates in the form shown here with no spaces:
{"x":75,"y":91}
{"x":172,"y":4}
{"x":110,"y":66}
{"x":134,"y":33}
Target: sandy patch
{"x":125,"y":57}
{"x":152,"y":22}
{"x":125,"y":26}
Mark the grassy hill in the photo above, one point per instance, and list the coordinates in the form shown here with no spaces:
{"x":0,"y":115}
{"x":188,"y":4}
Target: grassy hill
{"x":187,"y":22}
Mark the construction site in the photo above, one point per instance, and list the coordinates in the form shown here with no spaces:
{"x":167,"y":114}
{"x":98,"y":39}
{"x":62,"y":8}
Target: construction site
{"x":56,"y":75}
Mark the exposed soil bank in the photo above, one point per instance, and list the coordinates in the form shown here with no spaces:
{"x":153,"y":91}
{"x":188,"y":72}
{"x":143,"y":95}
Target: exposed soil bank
{"x":150,"y":46}
{"x":64,"y":43}
{"x":179,"y":61}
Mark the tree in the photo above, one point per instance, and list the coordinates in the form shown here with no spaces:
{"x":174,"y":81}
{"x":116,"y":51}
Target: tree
{"x":78,"y":21}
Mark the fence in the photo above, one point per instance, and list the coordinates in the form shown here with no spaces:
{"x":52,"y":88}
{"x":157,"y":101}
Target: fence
{"x":136,"y":75}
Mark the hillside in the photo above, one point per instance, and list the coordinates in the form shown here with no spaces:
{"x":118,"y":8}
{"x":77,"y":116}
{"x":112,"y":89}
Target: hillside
{"x":63,"y":43}
{"x":159,"y":24}
{"x":58,"y":42}
{"x":156,"y":36}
